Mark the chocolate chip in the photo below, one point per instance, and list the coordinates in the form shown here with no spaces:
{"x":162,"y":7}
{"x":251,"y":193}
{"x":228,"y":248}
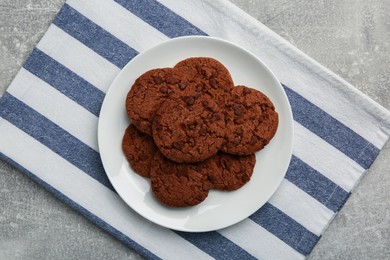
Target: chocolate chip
{"x":206,"y":72}
{"x":254,"y":140}
{"x":246,"y":91}
{"x":263,"y":107}
{"x":191,"y":142}
{"x":226,"y":164}
{"x":198,"y":68}
{"x":203,"y":131}
{"x":192,"y":126}
{"x":199,"y":87}
{"x":159,"y":127}
{"x":157,"y":79}
{"x":205,"y":103}
{"x":238,"y":121}
{"x":198,"y":167}
{"x":216,"y":117}
{"x":239,"y":131}
{"x":245,"y":178}
{"x":190,"y":101}
{"x":236,"y":142}
{"x":238,"y":111}
{"x":164,"y":90}
{"x":177,"y":145}
{"x":182,"y":85}
{"x":214,"y":83}
{"x":212,"y":178}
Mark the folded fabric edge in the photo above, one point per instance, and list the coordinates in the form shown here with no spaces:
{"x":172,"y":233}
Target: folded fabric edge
{"x":372,"y":107}
{"x":84,"y":212}
{"x":28,"y":54}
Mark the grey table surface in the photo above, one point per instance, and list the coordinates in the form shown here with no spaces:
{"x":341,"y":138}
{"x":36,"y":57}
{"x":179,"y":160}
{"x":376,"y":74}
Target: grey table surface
{"x":350,"y":37}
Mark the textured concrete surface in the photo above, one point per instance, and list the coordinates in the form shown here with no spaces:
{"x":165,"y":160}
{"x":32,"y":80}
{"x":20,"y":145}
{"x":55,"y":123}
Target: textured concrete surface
{"x":350,"y":37}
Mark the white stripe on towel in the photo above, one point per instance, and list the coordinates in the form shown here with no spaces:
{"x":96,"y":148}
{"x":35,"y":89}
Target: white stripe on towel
{"x":78,"y":58}
{"x":57,"y":107}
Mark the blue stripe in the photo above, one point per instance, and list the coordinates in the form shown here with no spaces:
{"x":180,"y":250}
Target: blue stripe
{"x":160,"y":17}
{"x":331,"y":130}
{"x":93,"y":36}
{"x":216,"y":245}
{"x":95,"y":219}
{"x":65,"y":81}
{"x":285,"y":228}
{"x":316,"y":185}
{"x":54,"y":137}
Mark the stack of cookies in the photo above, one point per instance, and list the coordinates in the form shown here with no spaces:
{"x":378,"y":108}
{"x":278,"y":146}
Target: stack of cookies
{"x":192,"y":130}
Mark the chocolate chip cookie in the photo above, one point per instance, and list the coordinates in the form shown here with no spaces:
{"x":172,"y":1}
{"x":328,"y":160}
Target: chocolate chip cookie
{"x":251,"y":121}
{"x":147,"y":94}
{"x":139,"y":150}
{"x":207,"y":76}
{"x":179,"y":185}
{"x":230,"y":172}
{"x":189,"y":128}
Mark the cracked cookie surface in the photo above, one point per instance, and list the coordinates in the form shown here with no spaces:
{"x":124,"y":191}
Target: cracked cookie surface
{"x":146,"y":95}
{"x":251,"y":121}
{"x":179,"y":185}
{"x":139,"y":150}
{"x":189,"y":129}
{"x":208,"y":76}
{"x":231,"y":172}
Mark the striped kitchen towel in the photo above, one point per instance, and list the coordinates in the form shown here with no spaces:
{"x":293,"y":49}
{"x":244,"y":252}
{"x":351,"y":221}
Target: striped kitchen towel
{"x":49,"y":117}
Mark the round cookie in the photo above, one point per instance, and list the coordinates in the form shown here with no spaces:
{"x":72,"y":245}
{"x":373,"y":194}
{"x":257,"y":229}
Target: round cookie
{"x":193,"y":76}
{"x":189,"y":129}
{"x":179,"y":185}
{"x":230,"y":172}
{"x":139,"y":150}
{"x":251,"y":121}
{"x":207,"y":75}
{"x":146,"y":95}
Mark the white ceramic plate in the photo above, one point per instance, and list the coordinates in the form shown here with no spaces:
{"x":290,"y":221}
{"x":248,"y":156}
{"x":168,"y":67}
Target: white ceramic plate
{"x":220,"y":209}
